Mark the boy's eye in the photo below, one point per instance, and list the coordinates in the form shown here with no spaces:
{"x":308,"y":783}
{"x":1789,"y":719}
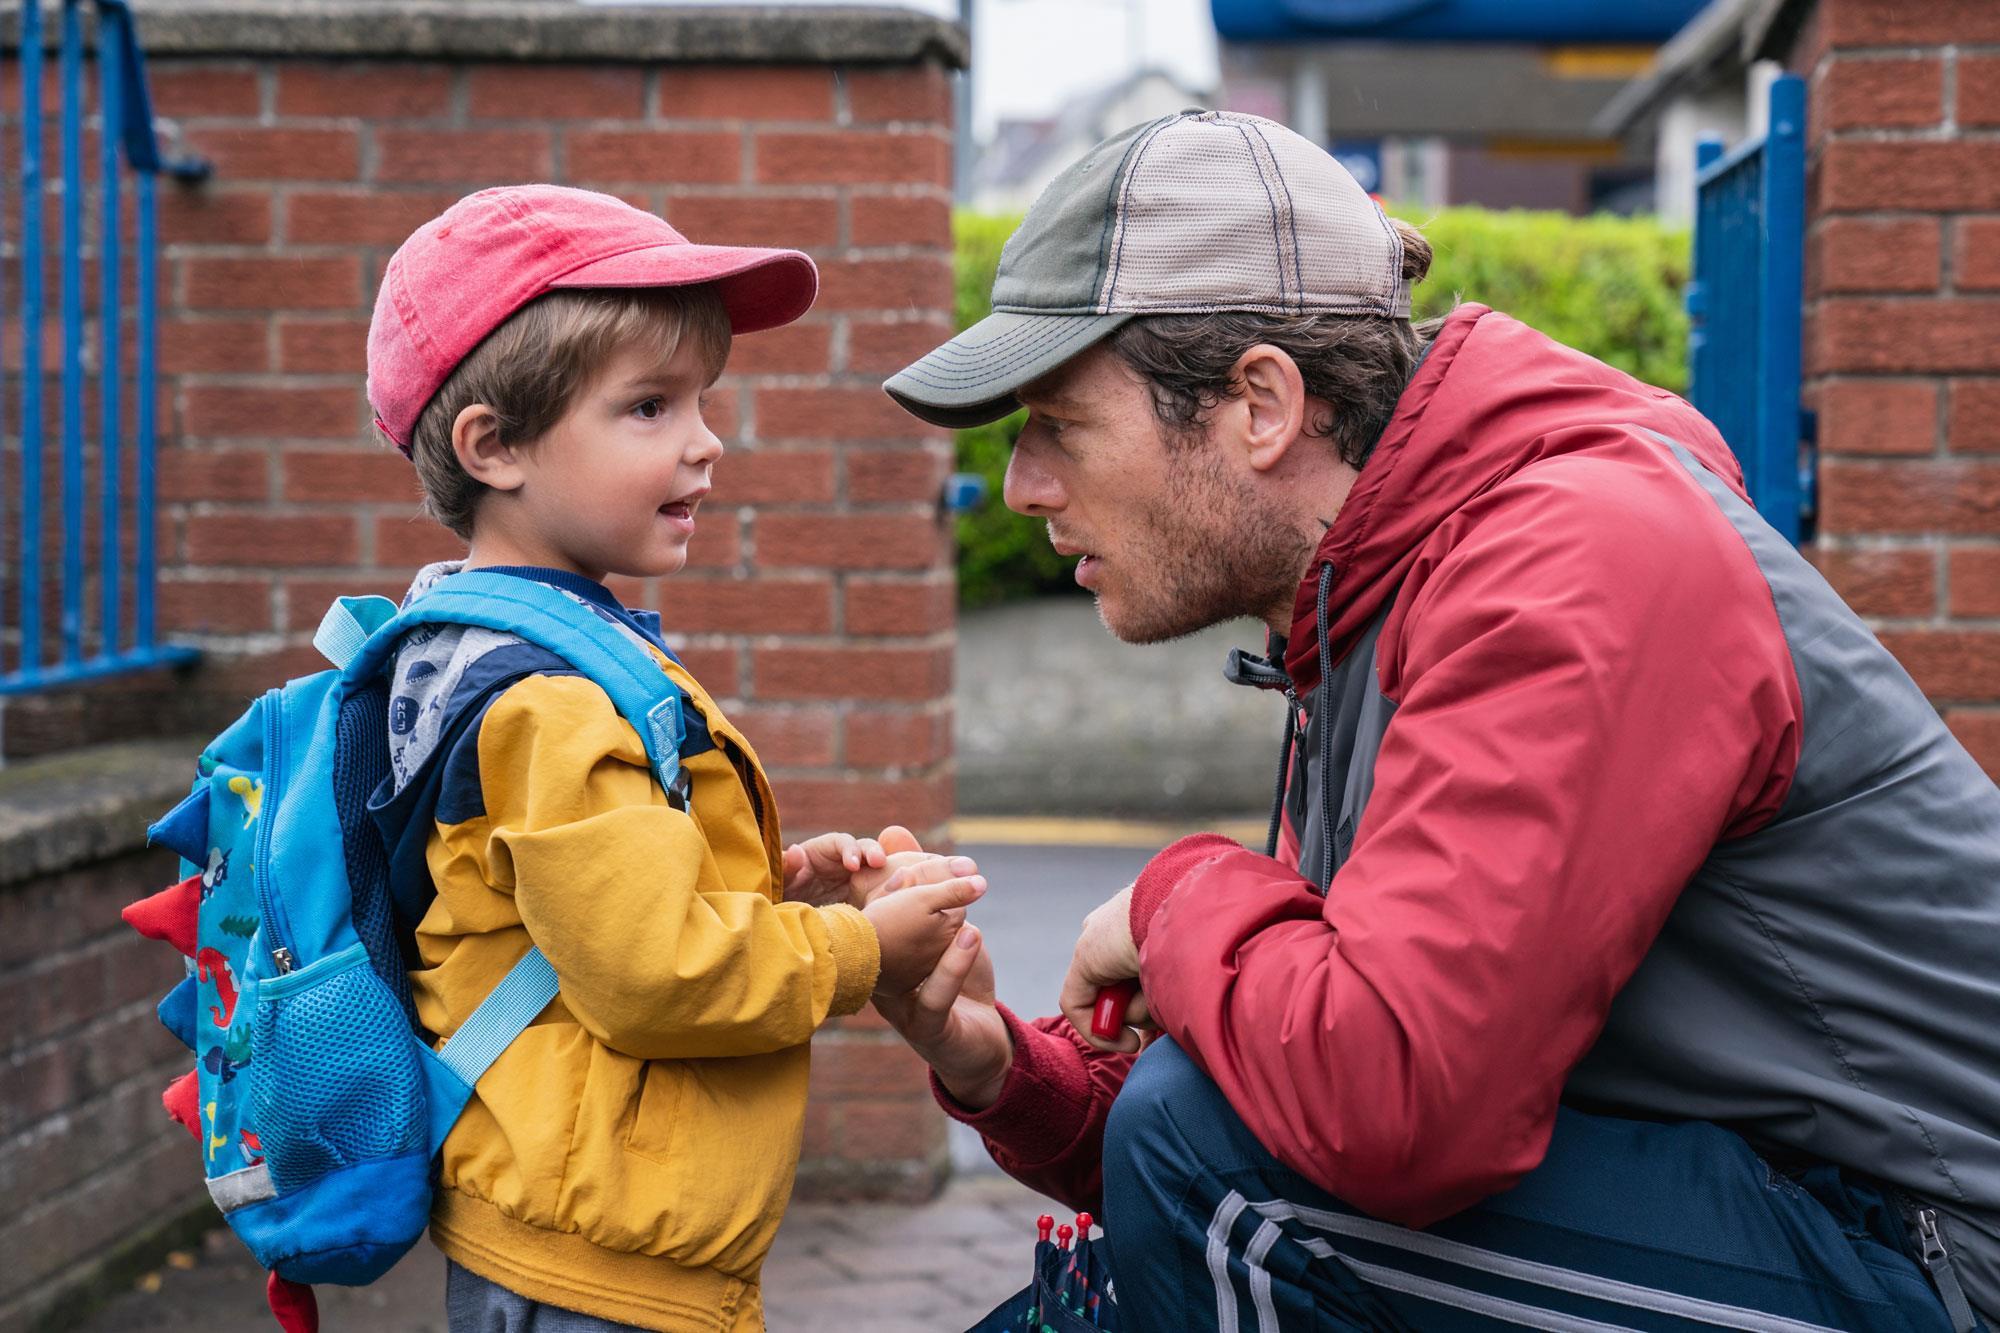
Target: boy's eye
{"x":652,"y":409}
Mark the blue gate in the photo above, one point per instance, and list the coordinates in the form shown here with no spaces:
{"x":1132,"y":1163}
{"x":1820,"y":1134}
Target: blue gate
{"x":49,"y":579}
{"x":1744,"y":307}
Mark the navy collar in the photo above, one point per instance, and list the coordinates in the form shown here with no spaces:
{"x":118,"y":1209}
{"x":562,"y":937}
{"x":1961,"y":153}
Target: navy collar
{"x":646,"y":624}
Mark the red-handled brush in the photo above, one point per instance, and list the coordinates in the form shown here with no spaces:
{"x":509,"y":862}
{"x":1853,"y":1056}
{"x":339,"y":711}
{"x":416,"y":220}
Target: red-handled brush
{"x":1107,"y":1019}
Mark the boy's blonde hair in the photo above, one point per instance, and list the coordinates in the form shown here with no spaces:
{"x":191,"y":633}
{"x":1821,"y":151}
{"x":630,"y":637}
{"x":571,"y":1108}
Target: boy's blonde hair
{"x":531,"y":368}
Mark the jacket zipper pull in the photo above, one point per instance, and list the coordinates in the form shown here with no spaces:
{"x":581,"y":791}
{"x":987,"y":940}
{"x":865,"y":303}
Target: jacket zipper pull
{"x":1937,"y":1262}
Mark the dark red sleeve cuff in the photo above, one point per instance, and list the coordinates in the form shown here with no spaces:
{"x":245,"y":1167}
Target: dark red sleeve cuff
{"x":1043,"y":1106}
{"x":1163,"y":873}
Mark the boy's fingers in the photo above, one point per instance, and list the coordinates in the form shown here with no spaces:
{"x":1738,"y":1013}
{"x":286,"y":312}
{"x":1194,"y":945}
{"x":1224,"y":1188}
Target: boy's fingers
{"x":871,"y":852}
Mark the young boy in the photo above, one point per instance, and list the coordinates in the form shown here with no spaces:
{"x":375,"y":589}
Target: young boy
{"x":540,"y":353}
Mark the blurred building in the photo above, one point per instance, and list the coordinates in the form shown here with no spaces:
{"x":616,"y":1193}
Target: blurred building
{"x":1703,"y":82}
{"x":1027,"y":153}
{"x":1488,"y":102}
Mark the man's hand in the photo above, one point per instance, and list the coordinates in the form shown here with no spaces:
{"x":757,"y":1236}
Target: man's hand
{"x":951,"y":1019}
{"x":1105,"y":953}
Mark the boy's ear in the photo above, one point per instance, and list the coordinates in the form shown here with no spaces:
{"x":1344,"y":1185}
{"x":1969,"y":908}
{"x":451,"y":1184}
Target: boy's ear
{"x":475,"y":438}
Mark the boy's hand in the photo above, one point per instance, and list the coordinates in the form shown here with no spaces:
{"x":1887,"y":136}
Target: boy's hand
{"x":914,"y":926}
{"x":822,"y":870}
{"x":839,"y":868}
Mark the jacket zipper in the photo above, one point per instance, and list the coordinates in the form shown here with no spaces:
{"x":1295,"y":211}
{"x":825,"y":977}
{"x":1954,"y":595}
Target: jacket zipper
{"x":1936,"y":1260}
{"x":1935,"y":1257}
{"x":269,"y":908}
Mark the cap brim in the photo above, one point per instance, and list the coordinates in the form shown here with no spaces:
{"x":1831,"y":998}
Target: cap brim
{"x":973,"y":379}
{"x":760,"y":289}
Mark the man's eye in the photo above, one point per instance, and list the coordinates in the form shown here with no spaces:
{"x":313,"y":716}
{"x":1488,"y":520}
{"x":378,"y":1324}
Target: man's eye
{"x":652,"y":409}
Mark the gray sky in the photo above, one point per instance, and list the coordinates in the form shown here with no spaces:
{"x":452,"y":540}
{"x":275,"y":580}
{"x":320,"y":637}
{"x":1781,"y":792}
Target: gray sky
{"x":1029,"y":56}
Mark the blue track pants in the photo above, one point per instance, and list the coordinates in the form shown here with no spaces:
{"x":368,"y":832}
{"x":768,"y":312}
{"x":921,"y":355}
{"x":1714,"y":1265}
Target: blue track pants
{"x":1625,"y":1225}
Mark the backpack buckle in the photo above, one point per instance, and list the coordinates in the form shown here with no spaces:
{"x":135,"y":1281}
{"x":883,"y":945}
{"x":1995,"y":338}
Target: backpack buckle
{"x":679,"y":788}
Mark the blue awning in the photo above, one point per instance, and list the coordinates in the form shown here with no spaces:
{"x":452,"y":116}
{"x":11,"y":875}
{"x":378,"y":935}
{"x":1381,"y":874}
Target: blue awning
{"x":1566,"y":21}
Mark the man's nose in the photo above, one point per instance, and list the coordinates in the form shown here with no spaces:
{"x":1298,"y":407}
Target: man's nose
{"x":1030,"y":487}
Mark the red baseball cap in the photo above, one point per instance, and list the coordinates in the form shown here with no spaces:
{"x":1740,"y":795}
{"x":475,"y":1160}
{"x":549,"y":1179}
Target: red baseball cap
{"x":461,"y":274}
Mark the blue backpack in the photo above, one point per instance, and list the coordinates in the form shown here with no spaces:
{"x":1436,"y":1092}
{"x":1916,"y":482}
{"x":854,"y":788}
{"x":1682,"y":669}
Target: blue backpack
{"x":319,"y":1104}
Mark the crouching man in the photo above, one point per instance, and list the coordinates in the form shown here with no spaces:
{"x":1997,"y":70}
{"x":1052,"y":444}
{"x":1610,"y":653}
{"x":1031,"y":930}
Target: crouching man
{"x":1624,"y":952}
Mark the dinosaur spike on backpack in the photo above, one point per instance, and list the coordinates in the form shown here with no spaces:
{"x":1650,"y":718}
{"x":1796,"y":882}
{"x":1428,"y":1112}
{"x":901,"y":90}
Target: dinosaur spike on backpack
{"x":184,"y":828}
{"x":292,"y":1304}
{"x":169,"y":914}
{"x":180,"y":1009}
{"x":182,"y":1100}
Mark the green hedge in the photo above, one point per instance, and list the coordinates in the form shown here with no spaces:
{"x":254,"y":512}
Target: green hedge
{"x":1609,"y":286}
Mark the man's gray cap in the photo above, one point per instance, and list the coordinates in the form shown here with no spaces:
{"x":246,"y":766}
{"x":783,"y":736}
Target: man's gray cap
{"x":1195,"y":212}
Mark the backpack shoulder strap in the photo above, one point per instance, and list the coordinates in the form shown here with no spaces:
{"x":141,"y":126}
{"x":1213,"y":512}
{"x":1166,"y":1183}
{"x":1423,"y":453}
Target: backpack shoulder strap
{"x":643,"y":694}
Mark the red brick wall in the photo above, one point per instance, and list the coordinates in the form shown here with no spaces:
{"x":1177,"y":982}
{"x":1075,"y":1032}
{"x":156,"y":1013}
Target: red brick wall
{"x":819,"y":598}
{"x":1903,"y":334}
{"x":90,"y":1161}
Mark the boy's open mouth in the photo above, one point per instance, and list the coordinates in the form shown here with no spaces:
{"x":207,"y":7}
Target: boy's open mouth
{"x":682,"y":510}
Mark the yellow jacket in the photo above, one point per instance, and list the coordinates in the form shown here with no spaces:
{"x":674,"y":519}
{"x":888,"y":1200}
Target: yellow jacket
{"x":631,"y":1154}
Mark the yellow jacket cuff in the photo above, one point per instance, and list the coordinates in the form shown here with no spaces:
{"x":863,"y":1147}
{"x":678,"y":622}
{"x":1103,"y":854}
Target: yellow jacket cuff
{"x":857,"y":957}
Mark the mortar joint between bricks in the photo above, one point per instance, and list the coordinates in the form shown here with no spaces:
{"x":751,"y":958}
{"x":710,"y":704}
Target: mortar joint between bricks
{"x":1941,"y":584}
{"x":837,"y":347}
{"x":1949,"y":88}
{"x":1941,"y":429}
{"x":458,"y":98}
{"x":1928,"y":134}
{"x":1947,"y":267}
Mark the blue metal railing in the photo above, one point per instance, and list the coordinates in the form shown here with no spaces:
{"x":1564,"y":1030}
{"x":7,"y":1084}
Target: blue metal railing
{"x":125,"y":120}
{"x":1744,"y":307}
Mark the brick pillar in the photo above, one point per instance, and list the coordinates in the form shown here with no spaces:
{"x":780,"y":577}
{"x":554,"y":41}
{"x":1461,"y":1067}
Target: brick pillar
{"x":1903,"y":335}
{"x":819,"y":600}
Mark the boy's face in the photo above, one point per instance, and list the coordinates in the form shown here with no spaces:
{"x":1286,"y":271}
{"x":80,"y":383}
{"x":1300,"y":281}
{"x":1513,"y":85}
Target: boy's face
{"x":614,"y":485}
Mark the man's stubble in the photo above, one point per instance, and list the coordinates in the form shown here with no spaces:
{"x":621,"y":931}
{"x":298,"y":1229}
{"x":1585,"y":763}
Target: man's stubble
{"x":1213,"y":551}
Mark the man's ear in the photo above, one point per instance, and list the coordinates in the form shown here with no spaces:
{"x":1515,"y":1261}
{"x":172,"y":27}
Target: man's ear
{"x":1273,"y":403}
{"x":475,"y":438}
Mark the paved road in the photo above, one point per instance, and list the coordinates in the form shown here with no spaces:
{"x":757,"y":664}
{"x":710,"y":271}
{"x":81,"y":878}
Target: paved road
{"x":931,"y":1269}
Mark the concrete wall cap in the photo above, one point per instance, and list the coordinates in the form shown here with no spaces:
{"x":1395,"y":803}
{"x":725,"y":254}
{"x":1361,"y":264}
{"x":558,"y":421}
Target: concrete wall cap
{"x":88,"y":804}
{"x":538,"y":30}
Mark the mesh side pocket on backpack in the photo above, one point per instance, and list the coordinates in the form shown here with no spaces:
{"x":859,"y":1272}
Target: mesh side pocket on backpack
{"x":337,"y":1074}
